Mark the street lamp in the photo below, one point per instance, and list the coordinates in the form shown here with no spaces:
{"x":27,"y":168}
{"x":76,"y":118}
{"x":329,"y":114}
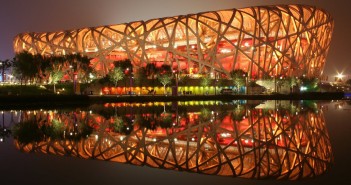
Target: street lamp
{"x":175,"y":72}
{"x":126,"y":72}
{"x":339,"y":77}
{"x":2,"y":73}
{"x":245,"y":78}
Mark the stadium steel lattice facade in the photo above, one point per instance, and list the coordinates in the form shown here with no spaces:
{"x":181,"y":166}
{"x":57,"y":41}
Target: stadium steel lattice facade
{"x":291,"y":40}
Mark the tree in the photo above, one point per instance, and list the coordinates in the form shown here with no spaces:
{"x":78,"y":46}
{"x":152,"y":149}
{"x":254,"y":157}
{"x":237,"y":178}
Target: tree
{"x":140,"y":77}
{"x":309,"y":83}
{"x":205,"y":82}
{"x":80,"y":65}
{"x":116,"y":75}
{"x":291,"y":82}
{"x":23,"y":66}
{"x":348,"y":82}
{"x":41,"y":64}
{"x":238,"y":76}
{"x":165,"y":79}
{"x":56,"y":75}
{"x":4,"y":65}
{"x":151,"y":70}
{"x":165,"y":69}
{"x":124,"y":65}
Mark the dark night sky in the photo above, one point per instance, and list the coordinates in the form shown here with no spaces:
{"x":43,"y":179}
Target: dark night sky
{"x":18,"y":16}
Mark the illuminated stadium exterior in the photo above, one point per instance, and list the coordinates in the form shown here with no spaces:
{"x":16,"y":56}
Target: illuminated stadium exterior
{"x":289,"y":40}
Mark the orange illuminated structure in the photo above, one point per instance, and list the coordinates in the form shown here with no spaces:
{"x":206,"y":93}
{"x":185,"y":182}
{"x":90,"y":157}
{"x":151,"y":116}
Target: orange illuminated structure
{"x":251,"y":143}
{"x":290,"y":40}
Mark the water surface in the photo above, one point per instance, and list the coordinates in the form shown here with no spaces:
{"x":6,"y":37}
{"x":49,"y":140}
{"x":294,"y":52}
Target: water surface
{"x":228,"y":142}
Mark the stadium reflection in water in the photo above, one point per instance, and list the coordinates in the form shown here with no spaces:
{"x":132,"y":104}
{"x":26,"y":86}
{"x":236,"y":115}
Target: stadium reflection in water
{"x":281,"y":140}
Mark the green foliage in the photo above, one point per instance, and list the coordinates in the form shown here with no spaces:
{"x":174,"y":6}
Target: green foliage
{"x":205,"y":81}
{"x":24,"y":90}
{"x":183,"y":79}
{"x":4,"y":65}
{"x":37,"y":130}
{"x":118,"y":124}
{"x":125,"y":65}
{"x":23,"y":66}
{"x":310,"y":83}
{"x":151,"y":69}
{"x":116,"y":75}
{"x":165,"y":69}
{"x":140,"y":76}
{"x":166,"y":120}
{"x":238,"y":113}
{"x":164,"y":80}
{"x":205,"y":114}
{"x":238,"y":76}
{"x":27,"y":132}
{"x":55,"y":77}
{"x":55,"y":130}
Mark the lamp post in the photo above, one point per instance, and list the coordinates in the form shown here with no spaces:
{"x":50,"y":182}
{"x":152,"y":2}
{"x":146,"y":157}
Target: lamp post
{"x":2,"y":70}
{"x":275,"y":83}
{"x":126,"y":72}
{"x":175,"y":73}
{"x":245,"y":78}
{"x":74,"y":78}
{"x":339,"y":77}
{"x":131,"y":78}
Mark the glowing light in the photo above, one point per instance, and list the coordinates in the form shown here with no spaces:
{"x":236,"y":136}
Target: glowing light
{"x":302,"y":88}
{"x":225,"y":51}
{"x":339,"y":76}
